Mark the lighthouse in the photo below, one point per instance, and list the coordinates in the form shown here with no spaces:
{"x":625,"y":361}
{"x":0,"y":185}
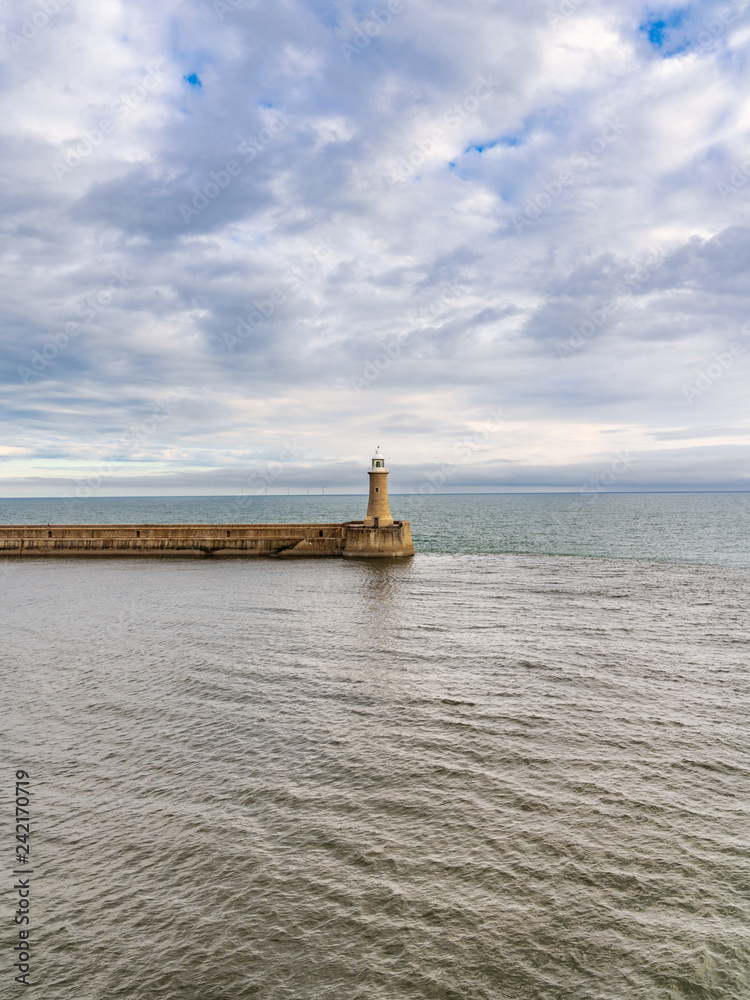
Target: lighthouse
{"x":378,"y":511}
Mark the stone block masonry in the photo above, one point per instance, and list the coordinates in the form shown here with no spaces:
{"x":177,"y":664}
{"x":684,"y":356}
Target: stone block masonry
{"x":348,"y":540}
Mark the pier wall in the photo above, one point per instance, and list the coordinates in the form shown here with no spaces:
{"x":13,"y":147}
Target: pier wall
{"x":365,"y":542}
{"x":351,"y":540}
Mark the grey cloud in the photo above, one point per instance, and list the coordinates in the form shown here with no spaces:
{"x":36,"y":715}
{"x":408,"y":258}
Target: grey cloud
{"x":374,"y":308}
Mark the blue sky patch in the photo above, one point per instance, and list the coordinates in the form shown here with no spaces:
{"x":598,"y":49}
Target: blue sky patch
{"x":455,"y":168}
{"x":508,"y":141}
{"x":663,"y":32}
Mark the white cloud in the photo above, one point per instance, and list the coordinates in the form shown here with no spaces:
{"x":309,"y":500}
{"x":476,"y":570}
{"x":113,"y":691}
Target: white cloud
{"x":470,"y":267}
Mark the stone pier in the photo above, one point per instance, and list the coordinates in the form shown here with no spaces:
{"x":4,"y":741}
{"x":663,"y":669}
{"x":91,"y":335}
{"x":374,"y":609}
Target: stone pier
{"x":350,"y":540}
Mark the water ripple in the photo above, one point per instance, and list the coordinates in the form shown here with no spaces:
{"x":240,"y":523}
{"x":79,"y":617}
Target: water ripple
{"x":474,"y":776}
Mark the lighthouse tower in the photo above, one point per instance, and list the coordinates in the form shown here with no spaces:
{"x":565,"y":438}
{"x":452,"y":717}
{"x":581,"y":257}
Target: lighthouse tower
{"x":378,"y":511}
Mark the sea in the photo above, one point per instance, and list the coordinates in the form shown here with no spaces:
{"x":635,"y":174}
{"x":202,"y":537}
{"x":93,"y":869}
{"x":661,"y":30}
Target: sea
{"x":514,"y":767}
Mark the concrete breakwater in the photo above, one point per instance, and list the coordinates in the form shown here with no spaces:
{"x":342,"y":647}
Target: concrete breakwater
{"x":352,"y":539}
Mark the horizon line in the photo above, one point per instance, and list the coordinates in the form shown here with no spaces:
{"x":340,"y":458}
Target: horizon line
{"x":421,"y":496}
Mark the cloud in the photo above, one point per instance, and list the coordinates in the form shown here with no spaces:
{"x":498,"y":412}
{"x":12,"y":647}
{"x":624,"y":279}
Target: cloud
{"x":484,"y":207}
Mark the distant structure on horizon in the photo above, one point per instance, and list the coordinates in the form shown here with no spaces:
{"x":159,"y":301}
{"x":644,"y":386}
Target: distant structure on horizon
{"x":378,"y":536}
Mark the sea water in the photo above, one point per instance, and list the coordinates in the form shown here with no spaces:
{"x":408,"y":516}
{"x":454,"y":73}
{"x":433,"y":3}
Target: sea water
{"x":515,"y":766}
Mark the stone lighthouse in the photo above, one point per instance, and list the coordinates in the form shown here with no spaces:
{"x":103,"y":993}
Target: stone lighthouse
{"x":378,"y":511}
{"x":378,"y":536}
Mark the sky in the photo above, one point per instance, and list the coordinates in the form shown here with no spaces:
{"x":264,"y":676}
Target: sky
{"x":245,"y":243}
